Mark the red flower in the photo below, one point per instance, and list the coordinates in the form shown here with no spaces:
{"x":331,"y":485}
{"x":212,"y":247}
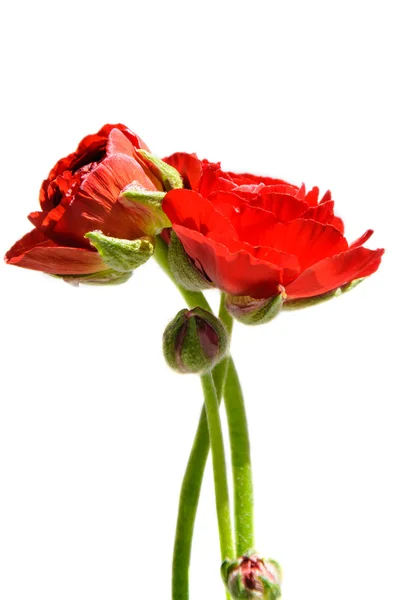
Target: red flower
{"x":250,"y":235}
{"x":81,"y":195}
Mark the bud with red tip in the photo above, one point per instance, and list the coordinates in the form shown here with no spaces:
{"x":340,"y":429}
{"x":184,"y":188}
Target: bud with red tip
{"x":195,"y":341}
{"x":252,"y":577}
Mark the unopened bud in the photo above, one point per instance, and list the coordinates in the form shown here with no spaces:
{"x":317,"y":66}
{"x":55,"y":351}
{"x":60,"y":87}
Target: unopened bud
{"x":252,"y":577}
{"x":250,"y":311}
{"x":184,"y":271}
{"x":195,"y":341}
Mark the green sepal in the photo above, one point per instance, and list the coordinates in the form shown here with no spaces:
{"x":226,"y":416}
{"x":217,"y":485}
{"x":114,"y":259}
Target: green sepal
{"x":305,"y":302}
{"x":184,"y":271}
{"x":272,"y":591}
{"x":147,"y":205}
{"x":121,"y":255}
{"x":106,"y":277}
{"x":169,"y":176}
{"x":250,"y":311}
{"x":194,"y":341}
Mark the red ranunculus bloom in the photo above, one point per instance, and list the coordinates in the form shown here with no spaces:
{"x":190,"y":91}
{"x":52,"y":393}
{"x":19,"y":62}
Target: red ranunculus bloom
{"x":81,"y":195}
{"x":250,"y":235}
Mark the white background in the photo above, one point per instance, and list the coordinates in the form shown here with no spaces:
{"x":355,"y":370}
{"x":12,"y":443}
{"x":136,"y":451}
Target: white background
{"x":94,"y":429}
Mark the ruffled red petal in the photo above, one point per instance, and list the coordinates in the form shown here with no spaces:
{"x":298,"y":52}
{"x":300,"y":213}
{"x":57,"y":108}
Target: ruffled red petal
{"x":308,"y":240}
{"x":237,"y":273}
{"x":284,"y":206}
{"x":192,"y":211}
{"x":331,"y":273}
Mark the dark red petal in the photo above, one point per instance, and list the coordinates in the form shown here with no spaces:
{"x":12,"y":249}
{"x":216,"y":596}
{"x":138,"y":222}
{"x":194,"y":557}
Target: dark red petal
{"x":362,"y":240}
{"x":188,"y":166}
{"x":284,"y":206}
{"x":237,"y":273}
{"x":308,"y":240}
{"x":334,"y":272}
{"x":35,"y":251}
{"x":191,"y":210}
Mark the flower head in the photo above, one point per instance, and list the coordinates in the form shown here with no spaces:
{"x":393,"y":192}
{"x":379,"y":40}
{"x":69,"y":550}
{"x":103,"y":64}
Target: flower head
{"x":81,"y":194}
{"x":252,"y":236}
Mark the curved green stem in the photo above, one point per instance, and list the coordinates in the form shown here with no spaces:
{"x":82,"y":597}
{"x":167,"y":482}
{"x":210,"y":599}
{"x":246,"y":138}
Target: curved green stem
{"x":241,"y":462}
{"x":219,"y":467}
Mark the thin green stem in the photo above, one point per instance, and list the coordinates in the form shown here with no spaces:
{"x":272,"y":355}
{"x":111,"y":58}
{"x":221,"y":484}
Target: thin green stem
{"x":219,"y":467}
{"x":241,"y":462}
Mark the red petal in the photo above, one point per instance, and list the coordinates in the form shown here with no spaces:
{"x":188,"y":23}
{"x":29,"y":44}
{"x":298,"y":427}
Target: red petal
{"x":237,"y":273}
{"x":96,"y":205}
{"x":35,"y":251}
{"x":287,"y":262}
{"x":283,"y":206}
{"x":188,"y":166}
{"x":191,"y":210}
{"x":248,"y":178}
{"x":323,"y":213}
{"x":312,"y":196}
{"x":327,"y":197}
{"x":248,"y":221}
{"x":334,"y":272}
{"x":337,"y":224}
{"x":119,"y":144}
{"x":362,"y":240}
{"x":308,"y":240}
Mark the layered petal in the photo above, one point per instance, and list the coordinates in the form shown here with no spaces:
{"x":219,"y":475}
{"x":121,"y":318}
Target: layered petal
{"x":193,"y":211}
{"x":308,"y":240}
{"x":237,"y":273}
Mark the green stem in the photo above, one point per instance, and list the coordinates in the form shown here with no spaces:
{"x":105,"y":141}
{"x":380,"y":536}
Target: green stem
{"x":219,"y":467}
{"x":241,"y":462}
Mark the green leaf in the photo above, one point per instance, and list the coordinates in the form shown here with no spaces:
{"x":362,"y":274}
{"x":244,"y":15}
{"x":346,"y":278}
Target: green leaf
{"x":121,"y":255}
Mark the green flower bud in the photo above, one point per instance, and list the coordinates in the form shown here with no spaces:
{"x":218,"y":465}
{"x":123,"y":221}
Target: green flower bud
{"x":194,"y":341}
{"x":184,"y":271}
{"x":169,"y":176}
{"x":121,"y":255}
{"x":252,"y":577}
{"x":250,"y":311}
